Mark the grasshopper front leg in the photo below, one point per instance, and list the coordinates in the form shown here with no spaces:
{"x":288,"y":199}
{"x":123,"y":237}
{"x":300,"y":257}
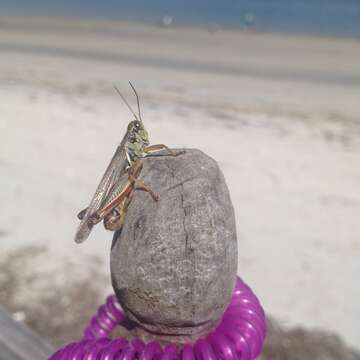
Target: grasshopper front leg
{"x":153,"y":148}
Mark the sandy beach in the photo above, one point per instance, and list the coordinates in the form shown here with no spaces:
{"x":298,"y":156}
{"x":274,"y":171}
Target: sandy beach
{"x":280,"y":114}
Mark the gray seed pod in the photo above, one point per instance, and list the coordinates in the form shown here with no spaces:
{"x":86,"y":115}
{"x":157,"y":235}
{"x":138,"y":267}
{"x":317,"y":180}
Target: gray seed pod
{"x":174,"y":263}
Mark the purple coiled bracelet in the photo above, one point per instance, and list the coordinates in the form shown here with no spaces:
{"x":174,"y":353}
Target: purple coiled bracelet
{"x":239,"y":336}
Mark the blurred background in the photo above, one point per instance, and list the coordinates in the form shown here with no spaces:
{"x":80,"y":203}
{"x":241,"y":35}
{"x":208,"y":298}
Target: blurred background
{"x":268,"y":88}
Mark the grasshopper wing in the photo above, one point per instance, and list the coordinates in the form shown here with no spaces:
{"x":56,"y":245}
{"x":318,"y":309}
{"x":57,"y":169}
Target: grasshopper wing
{"x":115,"y":170}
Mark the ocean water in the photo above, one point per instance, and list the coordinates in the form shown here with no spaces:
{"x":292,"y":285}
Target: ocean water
{"x":325,"y":17}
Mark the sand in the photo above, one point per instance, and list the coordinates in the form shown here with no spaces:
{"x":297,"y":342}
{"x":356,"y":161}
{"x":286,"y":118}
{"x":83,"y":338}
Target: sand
{"x":279,"y":113}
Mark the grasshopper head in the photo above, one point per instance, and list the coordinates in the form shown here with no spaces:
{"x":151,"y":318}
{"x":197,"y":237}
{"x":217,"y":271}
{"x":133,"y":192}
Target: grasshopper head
{"x":137,"y":140}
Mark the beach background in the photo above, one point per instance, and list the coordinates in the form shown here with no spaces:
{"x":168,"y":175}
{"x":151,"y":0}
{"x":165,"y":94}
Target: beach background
{"x":276,"y":103}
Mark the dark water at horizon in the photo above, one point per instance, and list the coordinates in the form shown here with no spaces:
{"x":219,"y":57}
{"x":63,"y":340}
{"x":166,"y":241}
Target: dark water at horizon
{"x":324,"y":17}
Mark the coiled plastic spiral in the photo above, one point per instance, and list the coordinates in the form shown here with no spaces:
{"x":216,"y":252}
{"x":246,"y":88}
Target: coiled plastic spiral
{"x":239,"y":336}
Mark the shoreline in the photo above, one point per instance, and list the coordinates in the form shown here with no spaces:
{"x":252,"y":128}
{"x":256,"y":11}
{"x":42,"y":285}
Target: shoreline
{"x":110,"y":26}
{"x":110,"y":23}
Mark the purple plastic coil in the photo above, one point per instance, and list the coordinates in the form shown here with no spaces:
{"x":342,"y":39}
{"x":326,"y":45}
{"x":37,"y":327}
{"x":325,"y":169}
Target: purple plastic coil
{"x":239,"y":336}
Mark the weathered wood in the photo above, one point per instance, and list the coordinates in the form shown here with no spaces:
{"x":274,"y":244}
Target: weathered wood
{"x":173,"y":265}
{"x":18,"y":342}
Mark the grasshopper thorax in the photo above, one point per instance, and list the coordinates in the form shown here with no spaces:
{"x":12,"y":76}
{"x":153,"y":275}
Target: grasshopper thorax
{"x":137,"y":139}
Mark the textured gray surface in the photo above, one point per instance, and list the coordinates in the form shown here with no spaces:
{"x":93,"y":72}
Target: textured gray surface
{"x":174,"y":263}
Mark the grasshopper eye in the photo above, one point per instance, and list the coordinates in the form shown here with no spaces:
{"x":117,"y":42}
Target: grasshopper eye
{"x":137,"y":125}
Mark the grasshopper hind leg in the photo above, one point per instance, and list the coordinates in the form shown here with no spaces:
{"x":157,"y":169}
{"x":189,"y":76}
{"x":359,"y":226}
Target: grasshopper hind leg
{"x":115,"y":220}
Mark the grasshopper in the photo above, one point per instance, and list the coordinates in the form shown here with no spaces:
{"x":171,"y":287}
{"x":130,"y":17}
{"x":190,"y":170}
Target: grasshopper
{"x":113,"y":194}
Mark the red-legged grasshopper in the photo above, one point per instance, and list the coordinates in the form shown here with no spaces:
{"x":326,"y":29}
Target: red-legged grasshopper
{"x":113,"y":193}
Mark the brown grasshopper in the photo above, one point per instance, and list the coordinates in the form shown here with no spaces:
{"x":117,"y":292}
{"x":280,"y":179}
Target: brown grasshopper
{"x":113,"y":194}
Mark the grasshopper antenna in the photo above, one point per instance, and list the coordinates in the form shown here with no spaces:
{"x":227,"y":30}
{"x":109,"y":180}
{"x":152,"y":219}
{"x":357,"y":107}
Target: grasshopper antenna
{"x":137,"y":99}
{"x":127,"y":104}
